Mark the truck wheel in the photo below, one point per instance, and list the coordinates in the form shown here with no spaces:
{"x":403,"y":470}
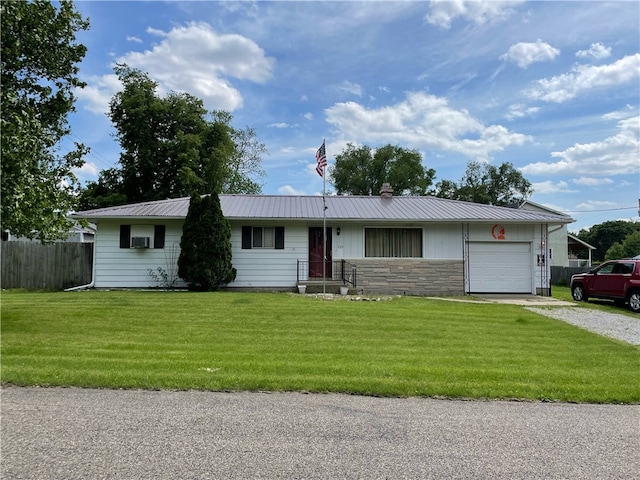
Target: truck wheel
{"x":577,"y":292}
{"x":634,"y":301}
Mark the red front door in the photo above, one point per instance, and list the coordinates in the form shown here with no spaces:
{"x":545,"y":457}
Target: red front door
{"x":316,"y":252}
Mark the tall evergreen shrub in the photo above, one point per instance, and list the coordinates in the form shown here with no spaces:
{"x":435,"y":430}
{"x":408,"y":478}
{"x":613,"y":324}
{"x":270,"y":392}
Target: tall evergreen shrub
{"x":205,"y":247}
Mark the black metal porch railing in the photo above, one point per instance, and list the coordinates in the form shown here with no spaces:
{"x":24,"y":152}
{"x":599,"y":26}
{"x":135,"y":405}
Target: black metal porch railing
{"x":337,"y":270}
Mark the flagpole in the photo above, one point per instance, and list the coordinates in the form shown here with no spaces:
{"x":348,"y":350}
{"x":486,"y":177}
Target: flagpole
{"x":321,"y":158}
{"x":324,"y":229}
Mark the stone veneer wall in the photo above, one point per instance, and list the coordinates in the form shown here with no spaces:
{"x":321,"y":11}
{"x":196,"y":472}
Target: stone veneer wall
{"x":410,"y":276}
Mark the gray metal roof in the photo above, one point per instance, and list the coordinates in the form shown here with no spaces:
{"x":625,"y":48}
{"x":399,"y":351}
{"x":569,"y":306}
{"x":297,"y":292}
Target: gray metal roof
{"x":371,"y":209}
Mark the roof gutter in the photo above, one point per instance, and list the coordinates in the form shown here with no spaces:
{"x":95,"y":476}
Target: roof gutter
{"x":93,"y":275}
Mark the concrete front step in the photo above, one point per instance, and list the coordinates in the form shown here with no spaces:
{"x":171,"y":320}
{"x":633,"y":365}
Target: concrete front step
{"x":329,"y":287}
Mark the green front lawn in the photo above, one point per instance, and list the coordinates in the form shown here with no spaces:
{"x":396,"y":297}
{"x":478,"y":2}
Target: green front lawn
{"x":223,"y":341}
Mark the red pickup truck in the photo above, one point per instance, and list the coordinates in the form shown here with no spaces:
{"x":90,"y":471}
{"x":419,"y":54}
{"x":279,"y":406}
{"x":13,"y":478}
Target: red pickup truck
{"x":617,"y":280}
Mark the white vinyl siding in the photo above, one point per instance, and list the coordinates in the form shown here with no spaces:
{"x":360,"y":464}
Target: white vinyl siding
{"x":269,"y":267}
{"x":258,"y":267}
{"x":129,"y":267}
{"x":443,"y":241}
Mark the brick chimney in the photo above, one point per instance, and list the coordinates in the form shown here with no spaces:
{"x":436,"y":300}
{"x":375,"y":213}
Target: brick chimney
{"x":386,"y":191}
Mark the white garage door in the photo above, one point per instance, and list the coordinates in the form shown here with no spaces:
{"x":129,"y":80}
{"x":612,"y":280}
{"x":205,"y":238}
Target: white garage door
{"x":500,"y":267}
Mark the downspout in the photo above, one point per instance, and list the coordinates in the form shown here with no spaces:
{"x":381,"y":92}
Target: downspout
{"x":545,"y":272}
{"x":465,"y":259}
{"x":93,"y":274}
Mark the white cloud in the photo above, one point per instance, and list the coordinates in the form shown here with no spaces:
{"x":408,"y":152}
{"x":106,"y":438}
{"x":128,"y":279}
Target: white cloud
{"x":422,"y":121}
{"x":349,"y":87}
{"x":596,"y":205}
{"x":592,"y":182}
{"x":197,"y":60}
{"x":279,"y":125}
{"x":444,"y":11}
{"x":524,"y":54}
{"x":519,"y":111}
{"x":586,"y":77}
{"x":551,"y":187}
{"x":628,"y":112}
{"x":289,"y":190}
{"x":310,"y":169}
{"x":230,"y":55}
{"x":98,"y":92}
{"x":88,"y":171}
{"x":308,"y":116}
{"x":616,"y":155}
{"x":597,"y":51}
{"x":133,"y":39}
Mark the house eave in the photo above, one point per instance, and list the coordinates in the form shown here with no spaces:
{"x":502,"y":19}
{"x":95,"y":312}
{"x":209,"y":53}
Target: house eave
{"x":336,"y":209}
{"x":131,"y":218}
{"x":338,"y":219}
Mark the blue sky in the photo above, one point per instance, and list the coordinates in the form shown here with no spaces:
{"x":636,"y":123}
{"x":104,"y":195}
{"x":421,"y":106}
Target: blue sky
{"x":552,"y":87}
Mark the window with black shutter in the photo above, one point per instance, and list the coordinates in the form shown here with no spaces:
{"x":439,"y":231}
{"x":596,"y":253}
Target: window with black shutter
{"x":125,"y":236}
{"x":279,"y":238}
{"x":246,"y":237}
{"x":158,"y":236}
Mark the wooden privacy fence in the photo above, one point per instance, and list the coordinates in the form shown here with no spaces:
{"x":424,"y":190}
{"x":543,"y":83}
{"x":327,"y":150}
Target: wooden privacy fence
{"x":562,"y":275}
{"x":34,"y":266}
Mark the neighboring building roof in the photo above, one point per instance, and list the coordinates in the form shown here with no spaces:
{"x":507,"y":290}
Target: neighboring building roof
{"x":372,"y":209}
{"x":528,"y":204}
{"x":576,"y":240}
{"x":75,"y":230}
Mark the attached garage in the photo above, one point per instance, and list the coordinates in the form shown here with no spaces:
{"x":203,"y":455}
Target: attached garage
{"x":500,"y":267}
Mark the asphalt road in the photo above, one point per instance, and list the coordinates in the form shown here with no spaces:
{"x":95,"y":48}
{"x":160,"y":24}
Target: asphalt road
{"x":55,"y":433}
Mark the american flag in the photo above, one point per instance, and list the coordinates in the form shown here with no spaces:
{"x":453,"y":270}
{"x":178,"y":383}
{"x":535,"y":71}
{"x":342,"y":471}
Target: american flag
{"x":321,"y":158}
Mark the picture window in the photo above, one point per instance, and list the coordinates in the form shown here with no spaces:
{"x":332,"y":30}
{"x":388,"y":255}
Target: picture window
{"x":393,"y":242}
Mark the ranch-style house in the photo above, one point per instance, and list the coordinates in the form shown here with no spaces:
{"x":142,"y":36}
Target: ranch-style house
{"x":372,"y":244}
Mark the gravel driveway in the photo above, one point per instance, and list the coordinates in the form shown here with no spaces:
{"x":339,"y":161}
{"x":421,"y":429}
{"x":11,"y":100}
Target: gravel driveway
{"x":70,"y":433}
{"x":614,"y":325}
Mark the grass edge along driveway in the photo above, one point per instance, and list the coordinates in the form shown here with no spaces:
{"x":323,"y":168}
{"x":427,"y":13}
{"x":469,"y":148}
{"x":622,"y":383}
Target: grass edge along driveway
{"x":230,"y":341}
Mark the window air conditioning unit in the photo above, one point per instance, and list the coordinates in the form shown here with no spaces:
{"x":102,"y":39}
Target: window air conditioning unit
{"x":140,"y":242}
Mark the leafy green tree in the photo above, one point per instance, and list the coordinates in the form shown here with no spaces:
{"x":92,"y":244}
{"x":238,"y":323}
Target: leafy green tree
{"x":169,"y":147}
{"x":628,"y":248}
{"x":172,"y":147}
{"x":106,"y":192}
{"x":603,"y":235}
{"x":615,"y":251}
{"x":362,"y":171}
{"x":244,"y":166}
{"x":488,"y":184}
{"x":39,"y":74}
{"x":205,"y":246}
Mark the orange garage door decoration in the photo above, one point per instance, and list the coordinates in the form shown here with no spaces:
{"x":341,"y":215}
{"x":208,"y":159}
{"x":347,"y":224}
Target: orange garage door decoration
{"x":498,"y":232}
